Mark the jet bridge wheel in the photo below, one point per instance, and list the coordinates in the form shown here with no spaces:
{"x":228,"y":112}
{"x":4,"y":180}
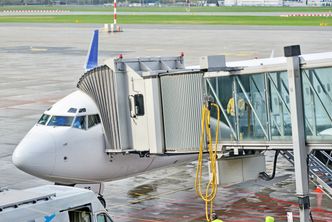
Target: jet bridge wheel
{"x":144,"y":154}
{"x":102,"y":200}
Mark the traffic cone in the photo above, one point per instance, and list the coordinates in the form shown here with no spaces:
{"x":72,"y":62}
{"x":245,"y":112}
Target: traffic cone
{"x":318,"y":189}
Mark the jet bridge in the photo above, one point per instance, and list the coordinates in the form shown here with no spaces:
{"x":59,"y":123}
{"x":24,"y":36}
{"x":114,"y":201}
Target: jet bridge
{"x":154,"y":105}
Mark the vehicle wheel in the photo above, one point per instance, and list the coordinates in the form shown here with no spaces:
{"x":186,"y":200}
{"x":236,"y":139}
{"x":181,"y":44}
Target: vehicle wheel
{"x":102,"y":200}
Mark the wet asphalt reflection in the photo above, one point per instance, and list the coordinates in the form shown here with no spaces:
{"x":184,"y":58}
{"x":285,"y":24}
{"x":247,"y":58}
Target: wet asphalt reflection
{"x":169,"y":195}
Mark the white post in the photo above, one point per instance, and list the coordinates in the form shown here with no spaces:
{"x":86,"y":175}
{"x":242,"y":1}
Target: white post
{"x":298,"y":130}
{"x":289,"y":216}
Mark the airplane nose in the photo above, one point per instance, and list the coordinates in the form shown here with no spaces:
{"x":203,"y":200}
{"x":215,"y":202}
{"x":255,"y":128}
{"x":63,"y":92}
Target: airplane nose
{"x":35,"y":154}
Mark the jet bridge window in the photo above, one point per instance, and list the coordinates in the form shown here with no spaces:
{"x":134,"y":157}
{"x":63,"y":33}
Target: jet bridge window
{"x":136,"y":105}
{"x":43,"y":119}
{"x":60,"y":121}
{"x":93,"y":120}
{"x":79,"y":122}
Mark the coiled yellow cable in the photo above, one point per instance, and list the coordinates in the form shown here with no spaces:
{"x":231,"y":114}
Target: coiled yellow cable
{"x":211,"y":187}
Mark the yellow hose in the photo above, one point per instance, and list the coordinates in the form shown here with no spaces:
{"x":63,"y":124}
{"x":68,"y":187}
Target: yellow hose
{"x":211,"y":187}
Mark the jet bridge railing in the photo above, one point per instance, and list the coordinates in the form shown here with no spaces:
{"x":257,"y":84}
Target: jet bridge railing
{"x":320,"y":169}
{"x":255,"y":102}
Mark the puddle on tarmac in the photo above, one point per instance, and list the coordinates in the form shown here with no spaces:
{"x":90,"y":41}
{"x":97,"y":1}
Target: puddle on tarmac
{"x":142,"y":190}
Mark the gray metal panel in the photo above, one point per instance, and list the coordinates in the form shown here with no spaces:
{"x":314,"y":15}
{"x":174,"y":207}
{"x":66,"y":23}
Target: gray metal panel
{"x":182,"y":99}
{"x":100,"y":85}
{"x":239,"y":169}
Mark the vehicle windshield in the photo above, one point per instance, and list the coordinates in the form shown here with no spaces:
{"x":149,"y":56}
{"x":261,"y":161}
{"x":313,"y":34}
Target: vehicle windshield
{"x":43,"y":119}
{"x":60,"y":121}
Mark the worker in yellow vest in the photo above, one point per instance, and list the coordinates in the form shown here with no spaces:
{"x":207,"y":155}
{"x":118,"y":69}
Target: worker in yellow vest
{"x":231,"y":106}
{"x":214,"y":218}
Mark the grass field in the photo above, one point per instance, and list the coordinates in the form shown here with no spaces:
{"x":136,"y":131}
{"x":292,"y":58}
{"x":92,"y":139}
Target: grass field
{"x":177,"y":19}
{"x":174,"y":9}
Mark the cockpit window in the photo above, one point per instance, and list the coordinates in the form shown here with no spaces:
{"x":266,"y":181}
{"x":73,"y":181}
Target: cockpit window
{"x":43,"y":119}
{"x":72,"y":110}
{"x":93,"y":120}
{"x":60,"y":121}
{"x":79,"y":122}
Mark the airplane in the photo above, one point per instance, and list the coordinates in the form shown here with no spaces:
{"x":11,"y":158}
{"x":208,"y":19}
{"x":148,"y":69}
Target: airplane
{"x":67,"y":144}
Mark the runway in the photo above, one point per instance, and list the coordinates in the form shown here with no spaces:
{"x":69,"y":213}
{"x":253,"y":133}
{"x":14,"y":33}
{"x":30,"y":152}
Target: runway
{"x":41,"y":63}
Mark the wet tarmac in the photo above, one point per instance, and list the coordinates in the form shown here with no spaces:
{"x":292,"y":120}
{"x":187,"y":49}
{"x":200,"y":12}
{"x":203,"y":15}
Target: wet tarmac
{"x":168,"y":195}
{"x":41,"y":63}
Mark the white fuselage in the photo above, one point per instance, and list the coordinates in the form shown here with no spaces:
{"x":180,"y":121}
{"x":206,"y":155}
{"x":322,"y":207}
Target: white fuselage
{"x":59,"y":150}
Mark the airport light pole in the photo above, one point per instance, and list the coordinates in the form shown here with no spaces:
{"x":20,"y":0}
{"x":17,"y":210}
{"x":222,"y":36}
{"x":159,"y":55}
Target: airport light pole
{"x":298,"y":130}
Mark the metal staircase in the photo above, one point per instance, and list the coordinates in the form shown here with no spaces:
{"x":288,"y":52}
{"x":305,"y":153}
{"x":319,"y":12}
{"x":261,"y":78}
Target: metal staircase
{"x":320,"y":167}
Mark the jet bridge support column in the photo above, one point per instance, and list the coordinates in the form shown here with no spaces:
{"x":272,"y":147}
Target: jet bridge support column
{"x":298,"y":130}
